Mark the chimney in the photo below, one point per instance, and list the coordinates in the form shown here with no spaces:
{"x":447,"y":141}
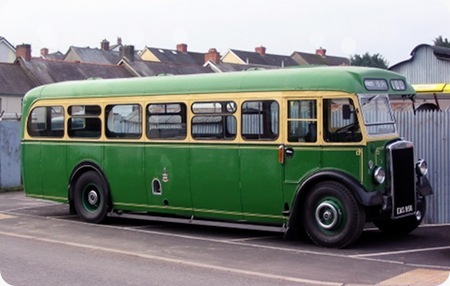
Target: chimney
{"x":321,"y":52}
{"x":127,"y":52}
{"x":24,"y":51}
{"x":119,"y":41}
{"x":44,"y":52}
{"x":213,"y":56}
{"x":261,"y":50}
{"x":182,"y":48}
{"x":104,"y":45}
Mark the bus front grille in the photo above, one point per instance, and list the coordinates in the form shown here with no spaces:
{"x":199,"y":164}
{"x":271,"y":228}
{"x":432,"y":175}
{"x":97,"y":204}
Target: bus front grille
{"x":402,"y":178}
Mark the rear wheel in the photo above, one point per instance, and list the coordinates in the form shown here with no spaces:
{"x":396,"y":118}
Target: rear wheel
{"x":331,"y":215}
{"x":91,"y":199}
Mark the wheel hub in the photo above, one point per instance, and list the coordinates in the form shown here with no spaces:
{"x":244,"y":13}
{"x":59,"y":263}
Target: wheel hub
{"x":92,"y":197}
{"x":327,"y":215}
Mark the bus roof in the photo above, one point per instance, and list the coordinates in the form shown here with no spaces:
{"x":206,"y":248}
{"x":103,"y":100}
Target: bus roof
{"x":432,"y":88}
{"x":348,"y":79}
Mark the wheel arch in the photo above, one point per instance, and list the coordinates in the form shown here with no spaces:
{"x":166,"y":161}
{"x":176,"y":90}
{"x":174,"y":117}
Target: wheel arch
{"x":364,"y":198}
{"x":79,"y":170}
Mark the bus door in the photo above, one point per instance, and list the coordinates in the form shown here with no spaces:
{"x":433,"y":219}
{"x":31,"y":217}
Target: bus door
{"x":214,"y":161}
{"x":261,"y":173}
{"x":167,"y":159}
{"x":342,"y":135}
{"x":302,"y":152}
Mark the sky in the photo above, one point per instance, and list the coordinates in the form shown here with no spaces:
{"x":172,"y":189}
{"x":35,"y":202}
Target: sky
{"x":391,"y":28}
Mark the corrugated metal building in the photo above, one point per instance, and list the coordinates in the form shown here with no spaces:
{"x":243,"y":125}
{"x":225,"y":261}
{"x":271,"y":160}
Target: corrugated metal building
{"x":428,"y":64}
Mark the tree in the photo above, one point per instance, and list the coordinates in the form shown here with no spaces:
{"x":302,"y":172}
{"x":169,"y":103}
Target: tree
{"x":367,"y":60}
{"x":441,"y":42}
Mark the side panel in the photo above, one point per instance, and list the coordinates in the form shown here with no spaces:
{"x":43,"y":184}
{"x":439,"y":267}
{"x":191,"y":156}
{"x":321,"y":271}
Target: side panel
{"x":261,"y":177}
{"x":215,"y":175}
{"x":78,"y":152}
{"x":31,"y":168}
{"x":346,"y":159}
{"x":124,"y":169}
{"x":303,"y":161}
{"x":168,"y":165}
{"x":54,"y":174}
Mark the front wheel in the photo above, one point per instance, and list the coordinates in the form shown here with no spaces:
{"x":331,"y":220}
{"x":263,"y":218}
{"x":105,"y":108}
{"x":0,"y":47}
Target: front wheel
{"x":331,"y":215}
{"x":91,"y":199}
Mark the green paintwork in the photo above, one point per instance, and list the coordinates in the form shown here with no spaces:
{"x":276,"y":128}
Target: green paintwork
{"x":241,"y":182}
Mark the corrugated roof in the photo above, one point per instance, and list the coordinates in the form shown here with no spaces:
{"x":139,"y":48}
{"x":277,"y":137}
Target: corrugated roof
{"x":50,"y":71}
{"x":13,"y":80}
{"x":442,"y":53}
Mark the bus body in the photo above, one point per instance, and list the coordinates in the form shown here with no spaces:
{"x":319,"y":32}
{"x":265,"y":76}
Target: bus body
{"x":432,"y":96}
{"x":306,"y":149}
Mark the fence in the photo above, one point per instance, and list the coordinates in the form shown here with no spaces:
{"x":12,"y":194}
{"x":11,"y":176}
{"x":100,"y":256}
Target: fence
{"x":10,"y":154}
{"x":430,"y":130}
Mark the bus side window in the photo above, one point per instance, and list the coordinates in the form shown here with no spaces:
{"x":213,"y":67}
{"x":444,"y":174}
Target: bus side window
{"x":166,"y":121}
{"x":214,"y":120}
{"x":123,"y":121}
{"x":260,"y":120}
{"x":46,"y":121}
{"x":84,"y":121}
{"x":302,"y":121}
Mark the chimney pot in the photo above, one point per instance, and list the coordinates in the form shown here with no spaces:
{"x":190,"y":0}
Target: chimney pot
{"x":24,"y":51}
{"x":104,"y":45}
{"x":261,"y":50}
{"x":127,"y":52}
{"x":321,"y":52}
{"x":182,"y":48}
{"x":212,"y":56}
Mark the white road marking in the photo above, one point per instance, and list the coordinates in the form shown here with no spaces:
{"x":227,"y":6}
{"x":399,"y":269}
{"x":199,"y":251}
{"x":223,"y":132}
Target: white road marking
{"x":173,"y":260}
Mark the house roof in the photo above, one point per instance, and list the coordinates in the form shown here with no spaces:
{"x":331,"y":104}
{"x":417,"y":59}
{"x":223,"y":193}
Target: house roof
{"x":229,"y":67}
{"x":2,"y":39}
{"x":265,"y":59}
{"x":50,"y":71}
{"x":13,"y":80}
{"x":302,"y":58}
{"x":90,"y":55}
{"x":177,"y":57}
{"x":146,"y":68}
{"x":54,"y":56}
{"x":441,"y":53}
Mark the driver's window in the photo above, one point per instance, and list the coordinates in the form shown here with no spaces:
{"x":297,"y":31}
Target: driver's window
{"x":340,"y":121}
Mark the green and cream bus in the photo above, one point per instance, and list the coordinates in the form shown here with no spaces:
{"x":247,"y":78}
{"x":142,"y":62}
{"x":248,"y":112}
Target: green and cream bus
{"x":304,"y":150}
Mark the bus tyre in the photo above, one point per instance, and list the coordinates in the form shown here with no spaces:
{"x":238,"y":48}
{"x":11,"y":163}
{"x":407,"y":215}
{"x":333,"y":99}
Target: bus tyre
{"x":331,"y":215}
{"x":91,"y":197}
{"x":404,"y":225}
